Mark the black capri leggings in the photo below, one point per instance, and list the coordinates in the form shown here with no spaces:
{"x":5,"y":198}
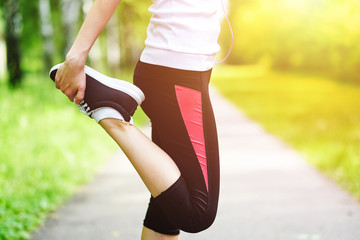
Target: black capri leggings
{"x":183,"y":125}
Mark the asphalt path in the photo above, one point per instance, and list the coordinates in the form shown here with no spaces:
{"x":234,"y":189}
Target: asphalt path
{"x":268,"y":192}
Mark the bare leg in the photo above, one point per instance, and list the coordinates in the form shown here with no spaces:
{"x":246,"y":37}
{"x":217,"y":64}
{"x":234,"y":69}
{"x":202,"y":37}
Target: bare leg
{"x":148,"y":234}
{"x":157,"y":170}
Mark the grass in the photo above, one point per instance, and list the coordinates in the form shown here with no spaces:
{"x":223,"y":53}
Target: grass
{"x":318,"y":116}
{"x":47,"y":149}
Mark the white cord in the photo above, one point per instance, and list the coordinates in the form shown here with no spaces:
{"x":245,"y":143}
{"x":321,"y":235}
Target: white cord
{"x":232,"y":33}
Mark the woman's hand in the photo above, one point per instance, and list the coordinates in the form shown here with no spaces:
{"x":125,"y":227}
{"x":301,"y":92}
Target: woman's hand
{"x":70,"y":79}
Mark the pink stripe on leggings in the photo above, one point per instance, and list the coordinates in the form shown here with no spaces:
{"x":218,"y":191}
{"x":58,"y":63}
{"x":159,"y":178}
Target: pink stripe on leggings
{"x":190,"y":104}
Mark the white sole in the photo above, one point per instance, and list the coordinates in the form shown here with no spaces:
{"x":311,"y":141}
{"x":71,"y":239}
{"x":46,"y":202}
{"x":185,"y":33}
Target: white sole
{"x":113,"y":83}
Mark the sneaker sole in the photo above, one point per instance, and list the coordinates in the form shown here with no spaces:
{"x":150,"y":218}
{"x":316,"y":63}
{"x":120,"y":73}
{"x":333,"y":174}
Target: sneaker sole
{"x":113,"y":83}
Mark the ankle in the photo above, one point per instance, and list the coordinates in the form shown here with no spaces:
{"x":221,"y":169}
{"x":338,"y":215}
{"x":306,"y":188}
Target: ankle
{"x":111,"y":124}
{"x":106,"y":112}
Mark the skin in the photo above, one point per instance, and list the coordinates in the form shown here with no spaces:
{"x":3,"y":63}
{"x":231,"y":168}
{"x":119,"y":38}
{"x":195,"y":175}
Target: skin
{"x":70,"y":78}
{"x":157,"y":170}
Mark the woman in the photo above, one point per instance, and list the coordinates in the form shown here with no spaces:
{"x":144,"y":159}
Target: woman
{"x":180,"y":166}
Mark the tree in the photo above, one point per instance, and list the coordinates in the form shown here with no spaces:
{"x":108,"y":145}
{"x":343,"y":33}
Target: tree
{"x":46,"y":31}
{"x":70,"y":17}
{"x":12,"y":39}
{"x":133,"y":18}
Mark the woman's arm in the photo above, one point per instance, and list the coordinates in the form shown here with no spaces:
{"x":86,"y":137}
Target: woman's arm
{"x":70,"y":78}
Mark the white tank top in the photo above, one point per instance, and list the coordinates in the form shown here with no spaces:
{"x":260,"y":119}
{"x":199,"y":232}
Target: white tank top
{"x":183,"y":34}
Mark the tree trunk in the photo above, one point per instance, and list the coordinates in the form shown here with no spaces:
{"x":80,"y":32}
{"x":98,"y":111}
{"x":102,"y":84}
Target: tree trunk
{"x":126,"y":36}
{"x":70,"y":16}
{"x":113,"y":45}
{"x":12,"y":38}
{"x":46,"y":31}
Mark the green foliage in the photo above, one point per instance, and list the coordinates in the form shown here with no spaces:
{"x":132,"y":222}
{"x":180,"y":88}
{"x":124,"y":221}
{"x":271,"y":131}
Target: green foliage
{"x":2,"y":24}
{"x":30,"y":24}
{"x":318,"y":116}
{"x":311,"y":35}
{"x":47,"y":149}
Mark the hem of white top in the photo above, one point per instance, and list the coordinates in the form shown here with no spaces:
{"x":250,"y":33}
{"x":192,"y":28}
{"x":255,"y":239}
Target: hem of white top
{"x":178,"y":60}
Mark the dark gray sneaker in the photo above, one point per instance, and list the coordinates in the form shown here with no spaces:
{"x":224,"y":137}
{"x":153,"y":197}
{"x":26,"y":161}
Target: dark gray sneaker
{"x":104,"y":94}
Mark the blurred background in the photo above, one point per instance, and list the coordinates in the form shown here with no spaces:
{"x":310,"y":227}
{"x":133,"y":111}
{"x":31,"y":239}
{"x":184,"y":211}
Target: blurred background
{"x":38,"y":34}
{"x":294,"y":68}
{"x":310,"y":35}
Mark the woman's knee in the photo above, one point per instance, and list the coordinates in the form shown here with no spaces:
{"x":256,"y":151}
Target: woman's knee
{"x":198,"y":226}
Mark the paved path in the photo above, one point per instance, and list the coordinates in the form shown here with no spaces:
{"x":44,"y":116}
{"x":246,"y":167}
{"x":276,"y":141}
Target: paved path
{"x":268,"y":192}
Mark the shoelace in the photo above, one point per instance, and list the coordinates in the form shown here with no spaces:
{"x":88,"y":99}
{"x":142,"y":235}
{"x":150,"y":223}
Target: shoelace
{"x":84,"y":108}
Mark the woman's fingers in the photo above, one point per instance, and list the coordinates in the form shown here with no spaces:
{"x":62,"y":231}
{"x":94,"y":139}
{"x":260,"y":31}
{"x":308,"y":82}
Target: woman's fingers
{"x":71,"y":81}
{"x":80,"y":94}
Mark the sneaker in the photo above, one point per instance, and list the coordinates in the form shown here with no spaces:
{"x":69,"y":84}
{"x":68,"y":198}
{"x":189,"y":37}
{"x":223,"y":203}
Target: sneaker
{"x":107,"y":97}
